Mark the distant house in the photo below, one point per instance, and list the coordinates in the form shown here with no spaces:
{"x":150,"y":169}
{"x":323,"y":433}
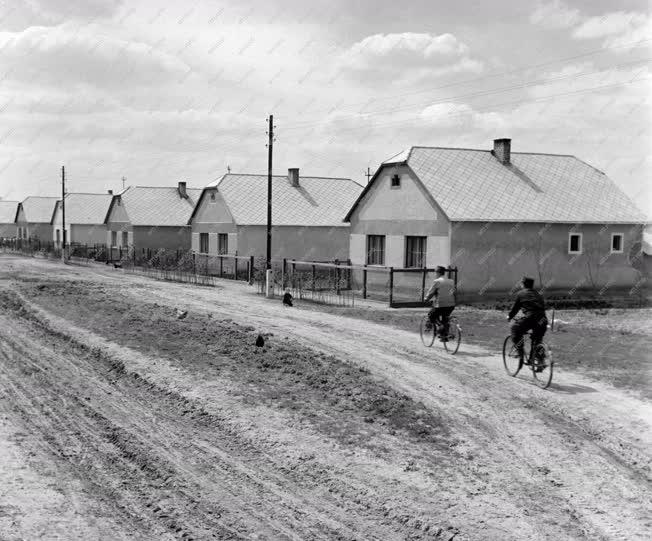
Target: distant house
{"x":8,"y":211}
{"x":34,"y":218}
{"x":151,"y":217}
{"x":498,"y":215}
{"x":307,"y":212}
{"x":85,"y":214}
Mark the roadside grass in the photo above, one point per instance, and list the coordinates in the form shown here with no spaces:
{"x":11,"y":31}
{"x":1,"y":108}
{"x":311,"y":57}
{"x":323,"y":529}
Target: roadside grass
{"x":342,"y":400}
{"x":611,"y":345}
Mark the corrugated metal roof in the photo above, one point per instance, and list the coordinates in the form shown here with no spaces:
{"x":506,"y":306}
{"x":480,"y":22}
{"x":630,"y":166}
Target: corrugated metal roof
{"x":158,"y":206}
{"x":39,"y":210}
{"x":8,"y":211}
{"x":317,"y":201}
{"x":86,"y":208}
{"x":474,"y":185}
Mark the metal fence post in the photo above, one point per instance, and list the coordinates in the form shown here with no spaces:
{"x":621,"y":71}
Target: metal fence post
{"x":250,"y":270}
{"x":391,"y":286}
{"x":294,"y":270}
{"x":364,"y":282}
{"x":221,"y":265}
{"x":283,"y":273}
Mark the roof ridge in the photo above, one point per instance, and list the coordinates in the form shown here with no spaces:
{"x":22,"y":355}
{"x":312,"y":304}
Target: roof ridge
{"x":283,"y":176}
{"x":162,"y":188}
{"x":491,"y":150}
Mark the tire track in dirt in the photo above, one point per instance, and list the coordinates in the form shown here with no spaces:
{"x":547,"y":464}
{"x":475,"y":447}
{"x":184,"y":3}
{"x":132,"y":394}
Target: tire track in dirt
{"x":603,"y":513}
{"x":255,"y":489}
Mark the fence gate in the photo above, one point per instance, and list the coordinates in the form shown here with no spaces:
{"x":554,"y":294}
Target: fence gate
{"x":408,"y":287}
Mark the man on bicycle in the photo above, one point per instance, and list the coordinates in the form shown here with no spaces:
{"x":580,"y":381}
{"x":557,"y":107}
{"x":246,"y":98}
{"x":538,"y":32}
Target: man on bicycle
{"x":443,"y":292}
{"x":533,"y":307}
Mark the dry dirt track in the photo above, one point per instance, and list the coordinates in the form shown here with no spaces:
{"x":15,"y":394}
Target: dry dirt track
{"x":132,"y":445}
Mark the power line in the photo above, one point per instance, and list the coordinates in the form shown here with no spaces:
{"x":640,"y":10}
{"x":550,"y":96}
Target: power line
{"x":540,"y":82}
{"x":494,"y":106}
{"x":630,"y":45}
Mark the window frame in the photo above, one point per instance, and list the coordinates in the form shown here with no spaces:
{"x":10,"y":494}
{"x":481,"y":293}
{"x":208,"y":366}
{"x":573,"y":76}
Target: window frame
{"x":222,"y":249}
{"x":58,"y":236}
{"x":422,"y":253}
{"x":622,"y":243}
{"x":372,"y":261}
{"x":580,"y":243}
{"x":114,"y":238}
{"x":125,"y":237}
{"x":393,"y":186}
{"x":202,"y":237}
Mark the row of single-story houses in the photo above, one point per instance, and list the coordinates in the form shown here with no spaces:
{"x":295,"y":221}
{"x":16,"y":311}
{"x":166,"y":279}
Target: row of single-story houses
{"x":495,"y":214}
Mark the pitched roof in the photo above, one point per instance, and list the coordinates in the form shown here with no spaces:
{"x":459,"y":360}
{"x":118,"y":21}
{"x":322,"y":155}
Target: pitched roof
{"x":317,"y":201}
{"x":8,"y":211}
{"x":38,"y":210}
{"x":157,"y":206}
{"x":86,"y":208}
{"x":473,"y":185}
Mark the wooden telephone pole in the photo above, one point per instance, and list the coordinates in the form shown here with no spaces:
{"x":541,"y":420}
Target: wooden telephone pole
{"x":63,"y":213}
{"x":269,"y":291}
{"x":368,"y":174}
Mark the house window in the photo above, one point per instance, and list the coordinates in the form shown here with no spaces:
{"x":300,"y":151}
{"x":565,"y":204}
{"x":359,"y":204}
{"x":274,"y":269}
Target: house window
{"x":125,"y":238}
{"x":58,"y":237}
{"x":415,"y":252}
{"x":616,"y":243}
{"x":203,"y":243}
{"x":222,"y":243}
{"x":575,"y":243}
{"x":114,"y":238}
{"x":375,"y":249}
{"x":396,"y":181}
{"x":212,"y":198}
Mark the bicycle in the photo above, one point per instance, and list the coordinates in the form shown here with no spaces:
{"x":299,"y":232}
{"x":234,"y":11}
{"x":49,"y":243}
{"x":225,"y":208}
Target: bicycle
{"x":428,"y":332}
{"x":540,"y":361}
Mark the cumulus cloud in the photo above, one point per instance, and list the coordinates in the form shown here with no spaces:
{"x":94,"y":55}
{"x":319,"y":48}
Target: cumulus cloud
{"x":404,"y":54}
{"x":555,"y":14}
{"x":63,"y":56}
{"x":619,"y":28}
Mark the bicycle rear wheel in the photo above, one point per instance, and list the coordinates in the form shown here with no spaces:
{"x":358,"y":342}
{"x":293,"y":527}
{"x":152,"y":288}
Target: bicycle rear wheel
{"x":542,"y":366}
{"x":511,"y":358}
{"x":454,"y":338}
{"x":427,"y":331}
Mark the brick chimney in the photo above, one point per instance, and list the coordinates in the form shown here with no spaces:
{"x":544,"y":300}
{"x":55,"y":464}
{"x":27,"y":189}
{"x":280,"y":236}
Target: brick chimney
{"x":110,"y":192}
{"x":182,"y":190}
{"x":293,"y":176}
{"x":502,"y":150}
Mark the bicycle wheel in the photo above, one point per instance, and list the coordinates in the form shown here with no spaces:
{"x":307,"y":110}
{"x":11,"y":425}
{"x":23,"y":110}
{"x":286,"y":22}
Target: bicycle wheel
{"x":454,"y":338}
{"x":511,"y":359}
{"x":542,"y":366}
{"x":427,"y":331}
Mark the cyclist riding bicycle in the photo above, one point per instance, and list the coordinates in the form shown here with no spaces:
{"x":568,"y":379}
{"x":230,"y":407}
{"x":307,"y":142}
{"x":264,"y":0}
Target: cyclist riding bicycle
{"x":533,"y":308}
{"x":443,"y":292}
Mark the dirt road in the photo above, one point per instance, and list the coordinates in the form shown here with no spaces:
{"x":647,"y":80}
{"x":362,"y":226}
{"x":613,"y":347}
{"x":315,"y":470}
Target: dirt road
{"x":144,"y":426}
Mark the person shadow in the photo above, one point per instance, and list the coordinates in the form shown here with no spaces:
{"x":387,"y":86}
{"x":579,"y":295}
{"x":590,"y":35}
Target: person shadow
{"x":571,"y":389}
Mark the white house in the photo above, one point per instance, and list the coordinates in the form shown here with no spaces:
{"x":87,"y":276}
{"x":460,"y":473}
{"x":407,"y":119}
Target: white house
{"x":34,"y":218}
{"x":85,"y":214}
{"x":497,"y":215}
{"x":307,"y":216}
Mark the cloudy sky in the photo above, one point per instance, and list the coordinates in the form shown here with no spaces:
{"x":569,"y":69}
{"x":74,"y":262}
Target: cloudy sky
{"x":160,"y":91}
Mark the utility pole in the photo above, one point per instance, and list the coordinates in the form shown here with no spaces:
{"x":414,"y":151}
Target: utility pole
{"x":268,"y":262}
{"x":123,"y":183}
{"x":368,"y":174}
{"x":63,"y":212}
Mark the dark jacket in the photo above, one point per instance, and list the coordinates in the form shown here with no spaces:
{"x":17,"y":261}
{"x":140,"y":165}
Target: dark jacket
{"x":530,"y":302}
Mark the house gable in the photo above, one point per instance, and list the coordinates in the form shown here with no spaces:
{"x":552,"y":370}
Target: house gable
{"x":117,"y":212}
{"x":409,"y":205}
{"x":211,"y":208}
{"x":20,"y":214}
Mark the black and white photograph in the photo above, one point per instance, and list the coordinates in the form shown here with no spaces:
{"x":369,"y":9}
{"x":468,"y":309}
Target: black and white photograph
{"x":325,"y":270}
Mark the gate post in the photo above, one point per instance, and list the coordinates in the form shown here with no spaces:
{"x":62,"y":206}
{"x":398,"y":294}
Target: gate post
{"x":337,"y":276}
{"x":250,"y":272}
{"x":364,"y":282}
{"x":423,"y":283}
{"x":391,"y":286}
{"x":294,"y":278}
{"x":283,"y":274}
{"x":313,"y":277}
